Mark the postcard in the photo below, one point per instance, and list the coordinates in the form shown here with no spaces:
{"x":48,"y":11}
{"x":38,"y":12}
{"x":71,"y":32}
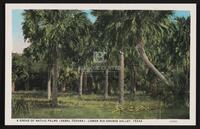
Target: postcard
{"x":100,"y":64}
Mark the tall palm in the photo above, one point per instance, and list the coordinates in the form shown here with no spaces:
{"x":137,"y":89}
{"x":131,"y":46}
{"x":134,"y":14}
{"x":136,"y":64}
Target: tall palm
{"x":153,"y":23}
{"x":112,"y":30}
{"x":121,"y":27}
{"x":54,"y":30}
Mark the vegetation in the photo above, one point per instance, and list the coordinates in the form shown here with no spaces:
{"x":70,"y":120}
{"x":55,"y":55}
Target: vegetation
{"x":127,"y":64}
{"x":35,"y":105}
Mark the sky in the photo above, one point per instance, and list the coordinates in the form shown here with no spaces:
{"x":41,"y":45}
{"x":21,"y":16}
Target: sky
{"x":17,"y":35}
{"x":17,"y":19}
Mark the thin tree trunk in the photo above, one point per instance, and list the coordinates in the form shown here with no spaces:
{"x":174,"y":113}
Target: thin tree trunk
{"x":90,"y":83}
{"x":81,"y":82}
{"x":27,"y":79}
{"x":133,"y":81}
{"x":85,"y":88}
{"x":55,"y":77}
{"x":98,"y":87}
{"x":49,"y":84}
{"x":106,"y":84}
{"x":121,"y":78}
{"x":110,"y":90}
{"x":64,"y":87}
{"x":93,"y":84}
{"x":13,"y":86}
{"x":142,"y":53}
{"x":27,"y":85}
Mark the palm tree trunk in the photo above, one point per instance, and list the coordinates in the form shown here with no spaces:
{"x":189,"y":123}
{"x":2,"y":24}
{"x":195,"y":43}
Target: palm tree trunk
{"x":142,"y":53}
{"x":140,"y":49}
{"x":133,"y":81}
{"x":49,"y":85}
{"x":27,"y":85}
{"x":110,"y":90}
{"x":93,"y":83}
{"x":85,"y":88}
{"x":90,"y":86}
{"x":121,"y":78}
{"x":55,"y":77}
{"x":106,"y":85}
{"x":13,"y":86}
{"x":64,"y":86}
{"x":81,"y":83}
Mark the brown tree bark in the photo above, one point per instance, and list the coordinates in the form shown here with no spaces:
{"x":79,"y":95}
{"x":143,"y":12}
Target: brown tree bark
{"x":81,"y":82}
{"x":55,"y":77}
{"x":121,"y":78}
{"x":106,"y":84}
{"x":49,"y":85}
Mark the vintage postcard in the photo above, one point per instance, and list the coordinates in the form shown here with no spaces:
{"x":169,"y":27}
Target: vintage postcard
{"x":100,"y":64}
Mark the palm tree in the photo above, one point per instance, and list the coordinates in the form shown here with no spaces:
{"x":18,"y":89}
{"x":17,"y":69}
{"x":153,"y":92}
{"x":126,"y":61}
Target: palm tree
{"x":15,"y":70}
{"x":53,"y":31}
{"x":19,"y":69}
{"x":35,"y":53}
{"x":81,"y":82}
{"x":176,"y":46}
{"x":120,"y":28}
{"x":112,"y":29}
{"x":106,"y":84}
{"x":153,"y":23}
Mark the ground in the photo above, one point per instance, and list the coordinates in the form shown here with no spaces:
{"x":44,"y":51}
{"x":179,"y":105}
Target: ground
{"x":34,"y":104}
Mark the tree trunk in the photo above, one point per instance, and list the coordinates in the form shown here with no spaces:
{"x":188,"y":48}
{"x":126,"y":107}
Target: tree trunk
{"x":110,"y":90}
{"x":121,"y":78}
{"x":64,"y":87}
{"x":81,"y":83}
{"x":49,"y":85}
{"x":106,"y":84}
{"x":98,"y":87}
{"x":133,"y":81}
{"x":142,"y":53}
{"x":55,"y":77}
{"x":90,"y":81}
{"x":13,"y":86}
{"x":85,"y":88}
{"x":93,"y":83}
{"x":27,"y":85}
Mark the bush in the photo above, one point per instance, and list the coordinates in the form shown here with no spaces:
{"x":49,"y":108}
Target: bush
{"x":20,"y":107}
{"x":177,"y":93}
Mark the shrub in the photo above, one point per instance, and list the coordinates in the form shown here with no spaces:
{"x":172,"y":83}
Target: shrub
{"x":20,"y":107}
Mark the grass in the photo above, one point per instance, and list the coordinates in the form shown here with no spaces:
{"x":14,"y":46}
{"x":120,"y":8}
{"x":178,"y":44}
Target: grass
{"x":92,"y":106}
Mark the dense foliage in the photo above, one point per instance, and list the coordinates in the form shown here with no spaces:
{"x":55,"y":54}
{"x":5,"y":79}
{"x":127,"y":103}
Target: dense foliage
{"x":150,"y":48}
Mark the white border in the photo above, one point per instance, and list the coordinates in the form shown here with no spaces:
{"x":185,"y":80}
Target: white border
{"x":8,"y":47}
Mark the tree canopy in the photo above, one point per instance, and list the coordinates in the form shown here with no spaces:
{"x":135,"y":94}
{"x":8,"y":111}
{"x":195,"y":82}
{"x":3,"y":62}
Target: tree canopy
{"x":150,"y":49}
